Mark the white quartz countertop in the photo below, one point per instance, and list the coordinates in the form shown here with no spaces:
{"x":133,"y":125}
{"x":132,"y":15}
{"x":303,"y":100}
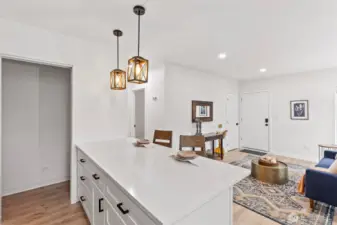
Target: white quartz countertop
{"x":170,"y":190}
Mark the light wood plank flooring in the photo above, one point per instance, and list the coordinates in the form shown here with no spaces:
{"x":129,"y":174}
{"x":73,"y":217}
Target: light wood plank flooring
{"x":51,"y":206}
{"x":44,"y":206}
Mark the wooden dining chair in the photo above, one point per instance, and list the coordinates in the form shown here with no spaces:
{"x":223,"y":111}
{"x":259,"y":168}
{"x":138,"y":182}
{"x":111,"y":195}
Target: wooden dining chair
{"x":193,"y":142}
{"x":163,"y":137}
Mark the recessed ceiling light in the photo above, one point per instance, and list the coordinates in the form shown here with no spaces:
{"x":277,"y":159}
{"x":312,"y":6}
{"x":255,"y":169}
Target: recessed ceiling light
{"x":222,"y":55}
{"x":263,"y":70}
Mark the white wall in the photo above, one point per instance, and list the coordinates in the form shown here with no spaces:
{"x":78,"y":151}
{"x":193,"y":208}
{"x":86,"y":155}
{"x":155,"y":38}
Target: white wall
{"x":154,"y":108}
{"x":97,"y":112}
{"x":182,"y":85}
{"x":296,"y":138}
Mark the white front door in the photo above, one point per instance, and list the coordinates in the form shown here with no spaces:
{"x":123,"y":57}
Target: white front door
{"x":232,"y":119}
{"x":254,"y":129}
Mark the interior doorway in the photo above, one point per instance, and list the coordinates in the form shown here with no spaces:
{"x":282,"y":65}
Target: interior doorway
{"x":36,"y":125}
{"x":232,"y":122}
{"x":255,"y":121}
{"x":139,"y":113}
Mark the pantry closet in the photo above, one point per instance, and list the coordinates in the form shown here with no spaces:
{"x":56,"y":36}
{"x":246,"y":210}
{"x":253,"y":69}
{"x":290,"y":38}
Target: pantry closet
{"x":36,"y":125}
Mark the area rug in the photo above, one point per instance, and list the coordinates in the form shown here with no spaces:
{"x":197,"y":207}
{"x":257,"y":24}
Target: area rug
{"x":280,"y":203}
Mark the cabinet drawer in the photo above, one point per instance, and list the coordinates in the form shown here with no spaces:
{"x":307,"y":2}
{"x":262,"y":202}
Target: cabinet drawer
{"x":84,"y":178}
{"x":94,"y":173}
{"x":85,"y":200}
{"x":82,"y":159}
{"x":126,"y":208}
{"x":97,"y":177}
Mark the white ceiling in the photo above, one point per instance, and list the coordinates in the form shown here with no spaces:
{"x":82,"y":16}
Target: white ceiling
{"x":284,"y":36}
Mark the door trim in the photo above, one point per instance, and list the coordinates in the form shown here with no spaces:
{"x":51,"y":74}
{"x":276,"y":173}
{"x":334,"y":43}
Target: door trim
{"x":270,"y":124}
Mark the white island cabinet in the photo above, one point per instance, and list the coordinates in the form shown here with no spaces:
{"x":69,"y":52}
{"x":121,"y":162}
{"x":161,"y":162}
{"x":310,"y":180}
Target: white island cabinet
{"x":120,"y":184}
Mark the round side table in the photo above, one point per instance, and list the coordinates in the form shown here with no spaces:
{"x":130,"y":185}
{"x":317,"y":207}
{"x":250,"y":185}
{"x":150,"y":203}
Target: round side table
{"x":270,"y":174}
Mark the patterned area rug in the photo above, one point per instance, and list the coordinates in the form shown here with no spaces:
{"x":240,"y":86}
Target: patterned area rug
{"x":281,"y":203}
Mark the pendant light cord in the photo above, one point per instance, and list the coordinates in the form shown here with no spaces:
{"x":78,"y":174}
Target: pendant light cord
{"x":117,"y":52}
{"x":138,"y":33}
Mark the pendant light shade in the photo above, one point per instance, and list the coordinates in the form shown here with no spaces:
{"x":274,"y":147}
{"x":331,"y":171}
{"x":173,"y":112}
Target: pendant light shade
{"x":138,"y":67}
{"x":117,"y":76}
{"x":117,"y":79}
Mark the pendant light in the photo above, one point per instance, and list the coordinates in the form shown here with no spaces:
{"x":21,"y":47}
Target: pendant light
{"x":118,"y":76}
{"x":138,"y":66}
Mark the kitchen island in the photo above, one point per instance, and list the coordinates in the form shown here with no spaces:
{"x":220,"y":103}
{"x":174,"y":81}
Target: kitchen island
{"x":120,"y":184}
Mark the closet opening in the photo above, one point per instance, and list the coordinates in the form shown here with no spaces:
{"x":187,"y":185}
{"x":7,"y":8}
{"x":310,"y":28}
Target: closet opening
{"x":35,"y":134}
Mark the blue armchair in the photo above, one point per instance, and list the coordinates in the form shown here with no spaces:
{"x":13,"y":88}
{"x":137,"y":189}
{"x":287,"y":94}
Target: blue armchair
{"x":319,"y":185}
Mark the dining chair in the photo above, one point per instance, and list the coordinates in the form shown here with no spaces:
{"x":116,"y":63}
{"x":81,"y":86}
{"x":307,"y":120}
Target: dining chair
{"x":193,"y":142}
{"x":163,"y":137}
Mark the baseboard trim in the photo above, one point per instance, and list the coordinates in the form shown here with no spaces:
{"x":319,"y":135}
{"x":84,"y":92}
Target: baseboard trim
{"x":47,"y":183}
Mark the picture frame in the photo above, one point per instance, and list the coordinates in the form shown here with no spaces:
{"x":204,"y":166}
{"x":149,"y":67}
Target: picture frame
{"x":202,"y":111}
{"x":299,"y":110}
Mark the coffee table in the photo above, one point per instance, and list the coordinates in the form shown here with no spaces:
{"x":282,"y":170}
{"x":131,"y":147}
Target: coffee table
{"x":270,"y":174}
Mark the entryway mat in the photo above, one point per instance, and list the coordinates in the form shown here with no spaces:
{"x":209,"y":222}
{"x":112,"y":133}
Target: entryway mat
{"x":253,"y":152}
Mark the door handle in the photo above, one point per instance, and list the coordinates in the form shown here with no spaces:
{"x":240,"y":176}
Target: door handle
{"x":237,"y":124}
{"x":119,"y":205}
{"x":266,"y":120}
{"x":266,"y":124}
{"x":100,"y":209}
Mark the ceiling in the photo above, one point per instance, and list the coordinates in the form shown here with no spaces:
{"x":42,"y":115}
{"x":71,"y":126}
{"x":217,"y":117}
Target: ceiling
{"x":285,"y":36}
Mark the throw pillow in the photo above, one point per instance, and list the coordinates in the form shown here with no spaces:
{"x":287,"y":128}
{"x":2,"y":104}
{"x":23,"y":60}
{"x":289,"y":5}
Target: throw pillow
{"x":333,"y":167}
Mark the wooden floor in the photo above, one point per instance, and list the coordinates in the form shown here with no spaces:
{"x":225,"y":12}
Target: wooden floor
{"x":50,"y":205}
{"x":44,"y":206}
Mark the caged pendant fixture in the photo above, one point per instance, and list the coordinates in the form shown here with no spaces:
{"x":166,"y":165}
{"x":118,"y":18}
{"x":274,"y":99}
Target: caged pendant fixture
{"x":138,"y":66}
{"x":117,"y":76}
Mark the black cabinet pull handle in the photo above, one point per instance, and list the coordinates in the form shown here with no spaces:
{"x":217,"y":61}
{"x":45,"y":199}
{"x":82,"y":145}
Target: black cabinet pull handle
{"x":95,"y":176}
{"x":82,"y":160}
{"x":82,"y":178}
{"x":82,"y":198}
{"x":119,"y":205}
{"x":100,"y":209}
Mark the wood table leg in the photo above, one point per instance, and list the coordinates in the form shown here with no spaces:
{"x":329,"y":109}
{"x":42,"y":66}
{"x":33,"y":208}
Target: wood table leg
{"x":221,"y":148}
{"x":312,"y":203}
{"x":213,"y":148}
